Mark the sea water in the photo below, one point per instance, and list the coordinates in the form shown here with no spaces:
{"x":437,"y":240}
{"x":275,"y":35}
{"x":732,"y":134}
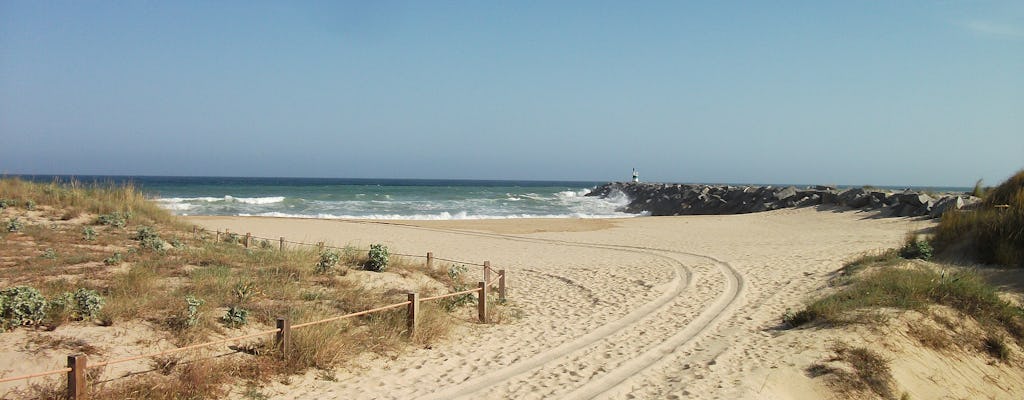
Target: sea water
{"x":371,"y":198}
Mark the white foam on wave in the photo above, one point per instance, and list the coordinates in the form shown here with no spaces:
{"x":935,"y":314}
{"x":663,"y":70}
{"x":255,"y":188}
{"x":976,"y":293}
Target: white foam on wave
{"x":226,"y":199}
{"x":443,"y":216}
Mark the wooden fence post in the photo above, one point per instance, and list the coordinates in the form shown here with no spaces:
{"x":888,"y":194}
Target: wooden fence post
{"x":430,"y":260}
{"x":282,"y":243}
{"x":218,"y":235}
{"x":320,"y":246}
{"x":248,"y":236}
{"x":76,"y":377}
{"x":283,"y":337}
{"x":195,"y":231}
{"x":501,"y":285}
{"x":481,"y":307}
{"x":487,"y":272}
{"x":413,"y":313}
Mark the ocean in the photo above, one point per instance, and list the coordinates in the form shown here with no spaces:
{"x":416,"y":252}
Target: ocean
{"x":410,"y":199}
{"x":384,"y":199}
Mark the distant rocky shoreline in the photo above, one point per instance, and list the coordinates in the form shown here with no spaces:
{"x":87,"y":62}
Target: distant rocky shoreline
{"x":660,"y":199}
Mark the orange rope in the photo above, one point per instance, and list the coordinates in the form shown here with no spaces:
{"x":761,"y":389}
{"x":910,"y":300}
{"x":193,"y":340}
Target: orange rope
{"x":355,"y":314}
{"x":180,"y":349}
{"x":450,"y":294}
{"x":37,"y":374}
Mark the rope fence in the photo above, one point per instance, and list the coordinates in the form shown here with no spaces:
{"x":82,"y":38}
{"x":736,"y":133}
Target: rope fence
{"x":78,"y":364}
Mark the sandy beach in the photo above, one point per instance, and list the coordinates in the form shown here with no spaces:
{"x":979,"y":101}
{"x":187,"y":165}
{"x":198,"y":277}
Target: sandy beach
{"x":652,"y":307}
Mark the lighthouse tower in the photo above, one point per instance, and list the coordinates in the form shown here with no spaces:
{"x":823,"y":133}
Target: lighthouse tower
{"x":636,"y":176}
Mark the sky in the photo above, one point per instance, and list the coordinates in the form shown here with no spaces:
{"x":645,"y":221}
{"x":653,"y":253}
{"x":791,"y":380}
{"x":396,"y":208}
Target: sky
{"x":845,"y":92}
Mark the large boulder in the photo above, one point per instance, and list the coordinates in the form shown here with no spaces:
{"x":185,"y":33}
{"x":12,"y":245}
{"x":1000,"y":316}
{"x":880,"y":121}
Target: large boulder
{"x":855,"y":198}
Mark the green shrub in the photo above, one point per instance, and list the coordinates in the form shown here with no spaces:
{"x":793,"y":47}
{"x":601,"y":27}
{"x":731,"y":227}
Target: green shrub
{"x":88,"y":233}
{"x":14,"y":225}
{"x":192,"y":313}
{"x":22,"y":305}
{"x":328,"y":259}
{"x":4,"y":203}
{"x":456,"y":273}
{"x":149,"y":239}
{"x":88,"y":304}
{"x":916,"y":249}
{"x":235,"y":317}
{"x":30,"y":205}
{"x":116,"y":219}
{"x":378,"y":258}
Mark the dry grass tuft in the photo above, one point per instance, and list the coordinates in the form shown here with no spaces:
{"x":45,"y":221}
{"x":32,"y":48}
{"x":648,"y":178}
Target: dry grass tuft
{"x":863,"y":372}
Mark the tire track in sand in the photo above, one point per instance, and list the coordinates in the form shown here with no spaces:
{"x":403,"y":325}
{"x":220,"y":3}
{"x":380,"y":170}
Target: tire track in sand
{"x":610,"y":381}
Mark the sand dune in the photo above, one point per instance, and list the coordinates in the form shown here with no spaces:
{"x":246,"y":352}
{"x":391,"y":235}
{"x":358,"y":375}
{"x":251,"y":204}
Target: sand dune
{"x":656,"y":307}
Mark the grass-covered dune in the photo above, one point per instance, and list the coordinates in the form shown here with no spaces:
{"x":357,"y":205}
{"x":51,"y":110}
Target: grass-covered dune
{"x":994,"y":232}
{"x":101,"y":270}
{"x":946,"y":305}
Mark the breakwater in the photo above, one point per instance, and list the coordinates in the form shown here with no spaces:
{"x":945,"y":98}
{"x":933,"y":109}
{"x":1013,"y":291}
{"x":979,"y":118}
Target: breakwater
{"x":690,"y":199}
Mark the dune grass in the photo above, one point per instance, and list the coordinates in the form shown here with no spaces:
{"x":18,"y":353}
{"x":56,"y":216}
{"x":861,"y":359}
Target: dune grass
{"x":994,"y":232}
{"x":72,"y":198}
{"x":143,"y":277}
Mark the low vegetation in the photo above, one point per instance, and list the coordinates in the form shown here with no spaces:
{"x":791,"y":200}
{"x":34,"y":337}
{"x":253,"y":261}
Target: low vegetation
{"x":118,"y":259}
{"x":993,"y":233}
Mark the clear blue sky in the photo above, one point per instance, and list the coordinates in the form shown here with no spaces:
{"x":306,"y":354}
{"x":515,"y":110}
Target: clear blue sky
{"x":845,"y":92}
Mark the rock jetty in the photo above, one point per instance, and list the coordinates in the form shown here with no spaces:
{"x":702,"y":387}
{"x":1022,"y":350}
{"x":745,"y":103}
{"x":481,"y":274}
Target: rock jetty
{"x":680,"y":199}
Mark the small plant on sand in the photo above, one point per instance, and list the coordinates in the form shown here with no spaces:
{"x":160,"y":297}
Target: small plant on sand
{"x":327,"y":261}
{"x":916,"y":248}
{"x":115,"y":219}
{"x":192,"y":314}
{"x":30,"y":205}
{"x":114,"y":259}
{"x":245,"y":291}
{"x":456,"y":273}
{"x":88,"y":304}
{"x":996,"y":346}
{"x":49,"y":254}
{"x":378,"y":258}
{"x":88,"y":233}
{"x":22,"y":305}
{"x":4,"y":203}
{"x":149,"y":239}
{"x":235,"y":317}
{"x":14,"y":225}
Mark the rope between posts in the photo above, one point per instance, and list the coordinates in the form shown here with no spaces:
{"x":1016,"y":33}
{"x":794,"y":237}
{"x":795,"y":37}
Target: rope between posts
{"x":450,"y":294}
{"x":457,"y":261}
{"x":355,"y":314}
{"x":37,"y":374}
{"x":180,"y":349}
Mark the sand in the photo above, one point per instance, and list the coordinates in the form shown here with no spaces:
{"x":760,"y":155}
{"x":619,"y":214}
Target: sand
{"x":652,"y":307}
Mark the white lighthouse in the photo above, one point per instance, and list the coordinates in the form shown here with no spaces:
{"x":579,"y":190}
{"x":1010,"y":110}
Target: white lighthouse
{"x":636,"y":176}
